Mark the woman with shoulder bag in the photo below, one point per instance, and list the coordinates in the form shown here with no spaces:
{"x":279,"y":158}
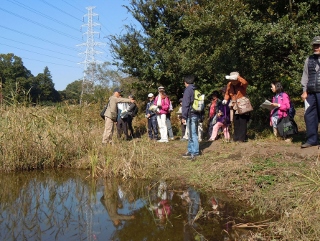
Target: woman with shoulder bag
{"x":236,"y":89}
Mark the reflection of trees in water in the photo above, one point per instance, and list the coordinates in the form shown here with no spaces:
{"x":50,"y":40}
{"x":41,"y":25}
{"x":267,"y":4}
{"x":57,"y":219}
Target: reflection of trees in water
{"x":61,"y":206}
{"x":40,"y":207}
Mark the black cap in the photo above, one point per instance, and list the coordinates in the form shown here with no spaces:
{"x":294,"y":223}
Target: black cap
{"x":117,"y":90}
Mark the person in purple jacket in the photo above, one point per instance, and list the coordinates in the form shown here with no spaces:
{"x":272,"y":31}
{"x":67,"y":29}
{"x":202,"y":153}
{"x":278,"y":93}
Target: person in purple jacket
{"x":223,"y":121}
{"x":281,"y":102}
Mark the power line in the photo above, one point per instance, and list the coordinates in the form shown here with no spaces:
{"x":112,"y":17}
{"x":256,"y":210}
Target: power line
{"x":39,"y":24}
{"x":12,"y":40}
{"x":41,"y":14}
{"x":73,"y":6}
{"x":59,"y":10}
{"x":31,"y":36}
{"x":37,"y":53}
{"x":50,"y":62}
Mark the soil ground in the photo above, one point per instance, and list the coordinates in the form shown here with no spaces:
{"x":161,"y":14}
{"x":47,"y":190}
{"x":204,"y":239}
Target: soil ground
{"x":261,"y":147}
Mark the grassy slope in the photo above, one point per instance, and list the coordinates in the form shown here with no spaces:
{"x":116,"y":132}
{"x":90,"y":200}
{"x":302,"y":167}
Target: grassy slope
{"x":269,"y":174}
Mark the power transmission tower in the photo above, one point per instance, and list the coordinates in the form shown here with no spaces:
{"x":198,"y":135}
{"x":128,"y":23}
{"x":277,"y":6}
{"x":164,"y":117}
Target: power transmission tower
{"x":90,"y":52}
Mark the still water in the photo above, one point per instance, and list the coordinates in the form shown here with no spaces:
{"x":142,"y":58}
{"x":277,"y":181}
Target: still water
{"x":68,"y":205}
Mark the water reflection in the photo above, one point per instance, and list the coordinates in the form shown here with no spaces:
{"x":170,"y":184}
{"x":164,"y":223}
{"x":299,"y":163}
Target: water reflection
{"x":112,"y":200}
{"x":63,"y":205}
{"x":159,"y":204}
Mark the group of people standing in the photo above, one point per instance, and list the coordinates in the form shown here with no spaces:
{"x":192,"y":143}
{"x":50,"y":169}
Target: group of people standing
{"x":158,"y":113}
{"x":221,"y":112}
{"x":120,"y":111}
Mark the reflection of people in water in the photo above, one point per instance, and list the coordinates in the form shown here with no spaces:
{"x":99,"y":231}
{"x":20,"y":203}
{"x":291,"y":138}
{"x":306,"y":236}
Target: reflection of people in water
{"x":162,"y":208}
{"x":111,"y":201}
{"x":192,"y":198}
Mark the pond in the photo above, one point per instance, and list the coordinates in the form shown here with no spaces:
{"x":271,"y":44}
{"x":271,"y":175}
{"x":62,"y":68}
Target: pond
{"x":69,"y":205}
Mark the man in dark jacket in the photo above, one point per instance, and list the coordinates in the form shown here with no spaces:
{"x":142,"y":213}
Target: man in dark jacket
{"x":190,"y":117}
{"x":132,"y":112}
{"x":311,"y":93}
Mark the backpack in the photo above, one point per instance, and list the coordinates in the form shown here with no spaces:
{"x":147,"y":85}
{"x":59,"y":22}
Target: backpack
{"x":198,"y":101}
{"x":292,"y":110}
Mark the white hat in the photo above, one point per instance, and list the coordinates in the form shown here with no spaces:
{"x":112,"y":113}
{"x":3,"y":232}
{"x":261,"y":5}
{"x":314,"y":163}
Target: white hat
{"x":160,"y":88}
{"x":233,"y":76}
{"x":150,"y":95}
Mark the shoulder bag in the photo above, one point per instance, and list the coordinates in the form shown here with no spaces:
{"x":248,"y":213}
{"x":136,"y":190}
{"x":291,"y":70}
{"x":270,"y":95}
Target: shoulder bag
{"x":243,"y":105}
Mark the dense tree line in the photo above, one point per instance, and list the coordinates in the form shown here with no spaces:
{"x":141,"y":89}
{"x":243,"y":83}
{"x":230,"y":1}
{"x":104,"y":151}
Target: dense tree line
{"x":18,"y":85}
{"x":264,"y":40}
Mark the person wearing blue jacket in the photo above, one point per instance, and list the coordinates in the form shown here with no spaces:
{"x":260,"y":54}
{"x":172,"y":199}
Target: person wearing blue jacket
{"x":152,"y":119}
{"x":190,"y":117}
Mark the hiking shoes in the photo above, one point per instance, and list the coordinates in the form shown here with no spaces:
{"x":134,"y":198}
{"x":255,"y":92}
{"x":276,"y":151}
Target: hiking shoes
{"x":306,"y":145}
{"x":189,"y":156}
{"x":161,"y":140}
{"x":186,"y":155}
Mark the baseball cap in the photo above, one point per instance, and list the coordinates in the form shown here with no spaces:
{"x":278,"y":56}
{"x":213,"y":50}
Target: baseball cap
{"x":150,"y":95}
{"x":117,"y":90}
{"x":160,"y":88}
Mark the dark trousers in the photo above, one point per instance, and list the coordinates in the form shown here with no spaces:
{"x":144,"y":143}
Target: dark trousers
{"x":183,"y":130}
{"x":210,"y":127}
{"x":311,"y":118}
{"x":129,"y":121}
{"x":153,"y":128}
{"x":122,"y":127}
{"x":240,"y":127}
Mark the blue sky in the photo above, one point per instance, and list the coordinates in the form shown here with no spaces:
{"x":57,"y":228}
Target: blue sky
{"x":47,"y":32}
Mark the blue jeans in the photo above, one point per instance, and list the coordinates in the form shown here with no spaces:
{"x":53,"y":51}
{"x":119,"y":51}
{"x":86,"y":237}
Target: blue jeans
{"x":193,"y":142}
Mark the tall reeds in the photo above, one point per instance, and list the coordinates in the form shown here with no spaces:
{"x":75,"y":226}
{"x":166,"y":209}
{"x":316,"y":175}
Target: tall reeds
{"x":45,"y":137}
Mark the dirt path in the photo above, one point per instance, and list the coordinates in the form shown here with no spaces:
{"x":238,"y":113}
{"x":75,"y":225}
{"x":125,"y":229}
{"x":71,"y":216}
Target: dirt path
{"x":260,"y":148}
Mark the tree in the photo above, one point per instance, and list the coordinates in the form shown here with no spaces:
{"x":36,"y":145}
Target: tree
{"x":264,"y":40}
{"x":16,"y":79}
{"x":43,"y":87}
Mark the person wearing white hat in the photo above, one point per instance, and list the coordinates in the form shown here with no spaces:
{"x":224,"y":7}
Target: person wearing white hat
{"x":152,"y":119}
{"x":237,"y":88}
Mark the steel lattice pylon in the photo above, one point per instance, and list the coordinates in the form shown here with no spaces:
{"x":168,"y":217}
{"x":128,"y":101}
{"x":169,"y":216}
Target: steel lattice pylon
{"x":90,"y":52}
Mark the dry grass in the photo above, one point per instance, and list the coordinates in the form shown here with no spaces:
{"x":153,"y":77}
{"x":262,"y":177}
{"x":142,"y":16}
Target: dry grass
{"x":275,"y":181}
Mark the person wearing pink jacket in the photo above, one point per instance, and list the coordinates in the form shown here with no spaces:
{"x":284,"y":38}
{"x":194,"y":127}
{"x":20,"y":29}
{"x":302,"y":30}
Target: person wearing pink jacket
{"x":281,"y":102}
{"x":163,"y":103}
